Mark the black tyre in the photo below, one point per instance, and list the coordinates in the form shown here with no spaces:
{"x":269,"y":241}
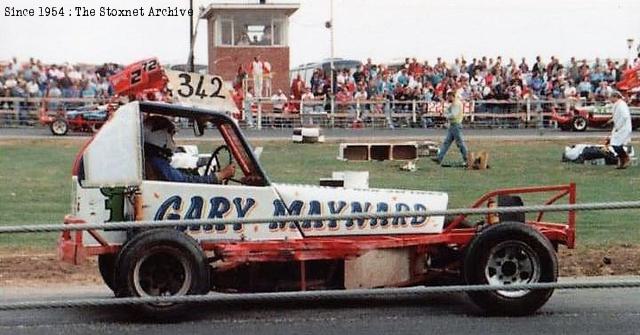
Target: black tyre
{"x":161,"y":262}
{"x":59,"y":127}
{"x":510,"y":253}
{"x":565,"y":127}
{"x":107,"y":267}
{"x":579,"y":123}
{"x":95,"y":127}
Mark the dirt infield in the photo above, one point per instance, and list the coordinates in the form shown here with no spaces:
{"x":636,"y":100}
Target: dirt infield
{"x":33,"y":268}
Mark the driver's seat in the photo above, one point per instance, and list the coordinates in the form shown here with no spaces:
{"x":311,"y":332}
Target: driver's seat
{"x":150,"y":172}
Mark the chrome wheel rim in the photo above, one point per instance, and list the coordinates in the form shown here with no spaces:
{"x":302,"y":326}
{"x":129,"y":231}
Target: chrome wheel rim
{"x":512,"y":263}
{"x":59,"y":127}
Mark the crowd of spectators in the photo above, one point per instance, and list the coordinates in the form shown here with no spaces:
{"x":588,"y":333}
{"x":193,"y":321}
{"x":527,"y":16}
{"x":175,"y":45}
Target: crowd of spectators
{"x":478,"y":79}
{"x":35,"y":79}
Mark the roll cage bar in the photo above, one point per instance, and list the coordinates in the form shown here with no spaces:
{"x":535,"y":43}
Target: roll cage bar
{"x":233,"y":137}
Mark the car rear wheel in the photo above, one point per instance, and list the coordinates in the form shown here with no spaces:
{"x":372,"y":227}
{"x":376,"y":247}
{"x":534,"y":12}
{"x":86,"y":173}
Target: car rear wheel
{"x":579,"y":123}
{"x":59,"y":127}
{"x":506,"y":254}
{"x":94,"y":127}
{"x":161,"y":262}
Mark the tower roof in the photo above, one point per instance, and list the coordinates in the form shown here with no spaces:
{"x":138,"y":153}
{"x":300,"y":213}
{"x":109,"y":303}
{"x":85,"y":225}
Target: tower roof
{"x":287,"y":8}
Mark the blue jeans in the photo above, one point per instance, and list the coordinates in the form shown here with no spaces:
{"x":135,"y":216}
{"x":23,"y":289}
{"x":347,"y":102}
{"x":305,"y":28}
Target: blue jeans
{"x":453,"y":133}
{"x":387,"y":113}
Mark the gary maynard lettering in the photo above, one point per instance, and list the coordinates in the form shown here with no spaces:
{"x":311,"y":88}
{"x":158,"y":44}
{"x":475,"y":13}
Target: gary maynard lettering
{"x":174,"y":208}
{"x":102,"y":11}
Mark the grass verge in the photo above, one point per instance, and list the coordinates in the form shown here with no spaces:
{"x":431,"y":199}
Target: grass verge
{"x":35,"y":181}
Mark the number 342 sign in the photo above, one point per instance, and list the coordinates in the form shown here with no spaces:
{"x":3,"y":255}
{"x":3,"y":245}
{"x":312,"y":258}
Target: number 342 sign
{"x":201,"y":90}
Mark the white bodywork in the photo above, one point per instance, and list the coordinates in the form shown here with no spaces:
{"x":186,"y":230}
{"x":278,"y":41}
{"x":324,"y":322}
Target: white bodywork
{"x":114,"y":157}
{"x":184,"y":201}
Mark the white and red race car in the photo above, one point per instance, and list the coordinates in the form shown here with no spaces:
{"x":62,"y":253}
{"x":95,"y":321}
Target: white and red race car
{"x":296,"y":255}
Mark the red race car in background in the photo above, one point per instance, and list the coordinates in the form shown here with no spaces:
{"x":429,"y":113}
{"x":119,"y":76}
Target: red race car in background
{"x":142,"y":80}
{"x":578,"y":118}
{"x":60,"y":119}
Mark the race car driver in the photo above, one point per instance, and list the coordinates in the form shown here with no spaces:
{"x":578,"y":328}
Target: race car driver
{"x":158,"y":149}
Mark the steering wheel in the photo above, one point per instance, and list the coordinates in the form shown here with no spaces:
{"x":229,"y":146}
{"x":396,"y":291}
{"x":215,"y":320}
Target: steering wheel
{"x":220,"y":152}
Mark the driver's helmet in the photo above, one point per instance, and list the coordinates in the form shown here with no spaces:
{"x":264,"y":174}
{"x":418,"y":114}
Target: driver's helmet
{"x":159,"y":131}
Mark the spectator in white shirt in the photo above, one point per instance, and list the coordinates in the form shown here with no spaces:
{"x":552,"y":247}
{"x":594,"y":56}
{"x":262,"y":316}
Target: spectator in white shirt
{"x":341,"y":78}
{"x":74,"y":74}
{"x":361,"y":94}
{"x":278,"y":100}
{"x":11,"y":82}
{"x":309,"y":106}
{"x":257,"y":71}
{"x":570,"y":90}
{"x":32,"y":89}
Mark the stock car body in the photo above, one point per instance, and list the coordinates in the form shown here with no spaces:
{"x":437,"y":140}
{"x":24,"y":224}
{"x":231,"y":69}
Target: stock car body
{"x":581,"y":118}
{"x":138,"y":81}
{"x":291,"y":255}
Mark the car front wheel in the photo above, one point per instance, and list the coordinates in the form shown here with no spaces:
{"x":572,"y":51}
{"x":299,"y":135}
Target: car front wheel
{"x":161,"y":262}
{"x":59,"y":127}
{"x":579,"y":123}
{"x":510,"y":253}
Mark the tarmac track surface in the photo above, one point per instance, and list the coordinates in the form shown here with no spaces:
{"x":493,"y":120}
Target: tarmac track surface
{"x":568,"y":312}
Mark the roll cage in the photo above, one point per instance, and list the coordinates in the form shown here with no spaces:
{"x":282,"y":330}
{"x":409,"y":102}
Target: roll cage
{"x":234,"y":139}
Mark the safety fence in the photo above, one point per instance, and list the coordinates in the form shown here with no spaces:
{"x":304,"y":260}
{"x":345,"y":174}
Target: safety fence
{"x":384,"y":113}
{"x":326,"y":113}
{"x":327,"y":294}
{"x":43,"y":228}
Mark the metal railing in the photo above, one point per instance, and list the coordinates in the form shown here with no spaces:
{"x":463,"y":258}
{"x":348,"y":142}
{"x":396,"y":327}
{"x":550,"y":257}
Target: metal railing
{"x":25,"y":111}
{"x":527,"y":113}
{"x":328,"y":113}
{"x":327,"y":294}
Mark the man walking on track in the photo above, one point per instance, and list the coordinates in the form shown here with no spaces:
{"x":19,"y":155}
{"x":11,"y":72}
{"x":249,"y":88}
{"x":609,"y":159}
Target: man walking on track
{"x":454,"y":117}
{"x":621,"y":132}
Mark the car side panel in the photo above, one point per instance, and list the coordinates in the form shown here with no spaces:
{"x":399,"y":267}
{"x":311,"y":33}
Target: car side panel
{"x":184,"y":201}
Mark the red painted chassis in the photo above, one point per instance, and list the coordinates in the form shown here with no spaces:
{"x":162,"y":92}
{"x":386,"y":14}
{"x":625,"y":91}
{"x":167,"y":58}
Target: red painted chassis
{"x":578,"y":119}
{"x":77,"y":123}
{"x":72,"y":249}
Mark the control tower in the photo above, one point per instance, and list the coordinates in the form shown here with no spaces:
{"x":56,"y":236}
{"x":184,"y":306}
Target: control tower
{"x":238,"y":32}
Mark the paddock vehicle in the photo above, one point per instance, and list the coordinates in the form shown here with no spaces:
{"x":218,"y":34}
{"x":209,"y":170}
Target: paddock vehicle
{"x":136,"y":82}
{"x":309,"y":254}
{"x":580,"y":118}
